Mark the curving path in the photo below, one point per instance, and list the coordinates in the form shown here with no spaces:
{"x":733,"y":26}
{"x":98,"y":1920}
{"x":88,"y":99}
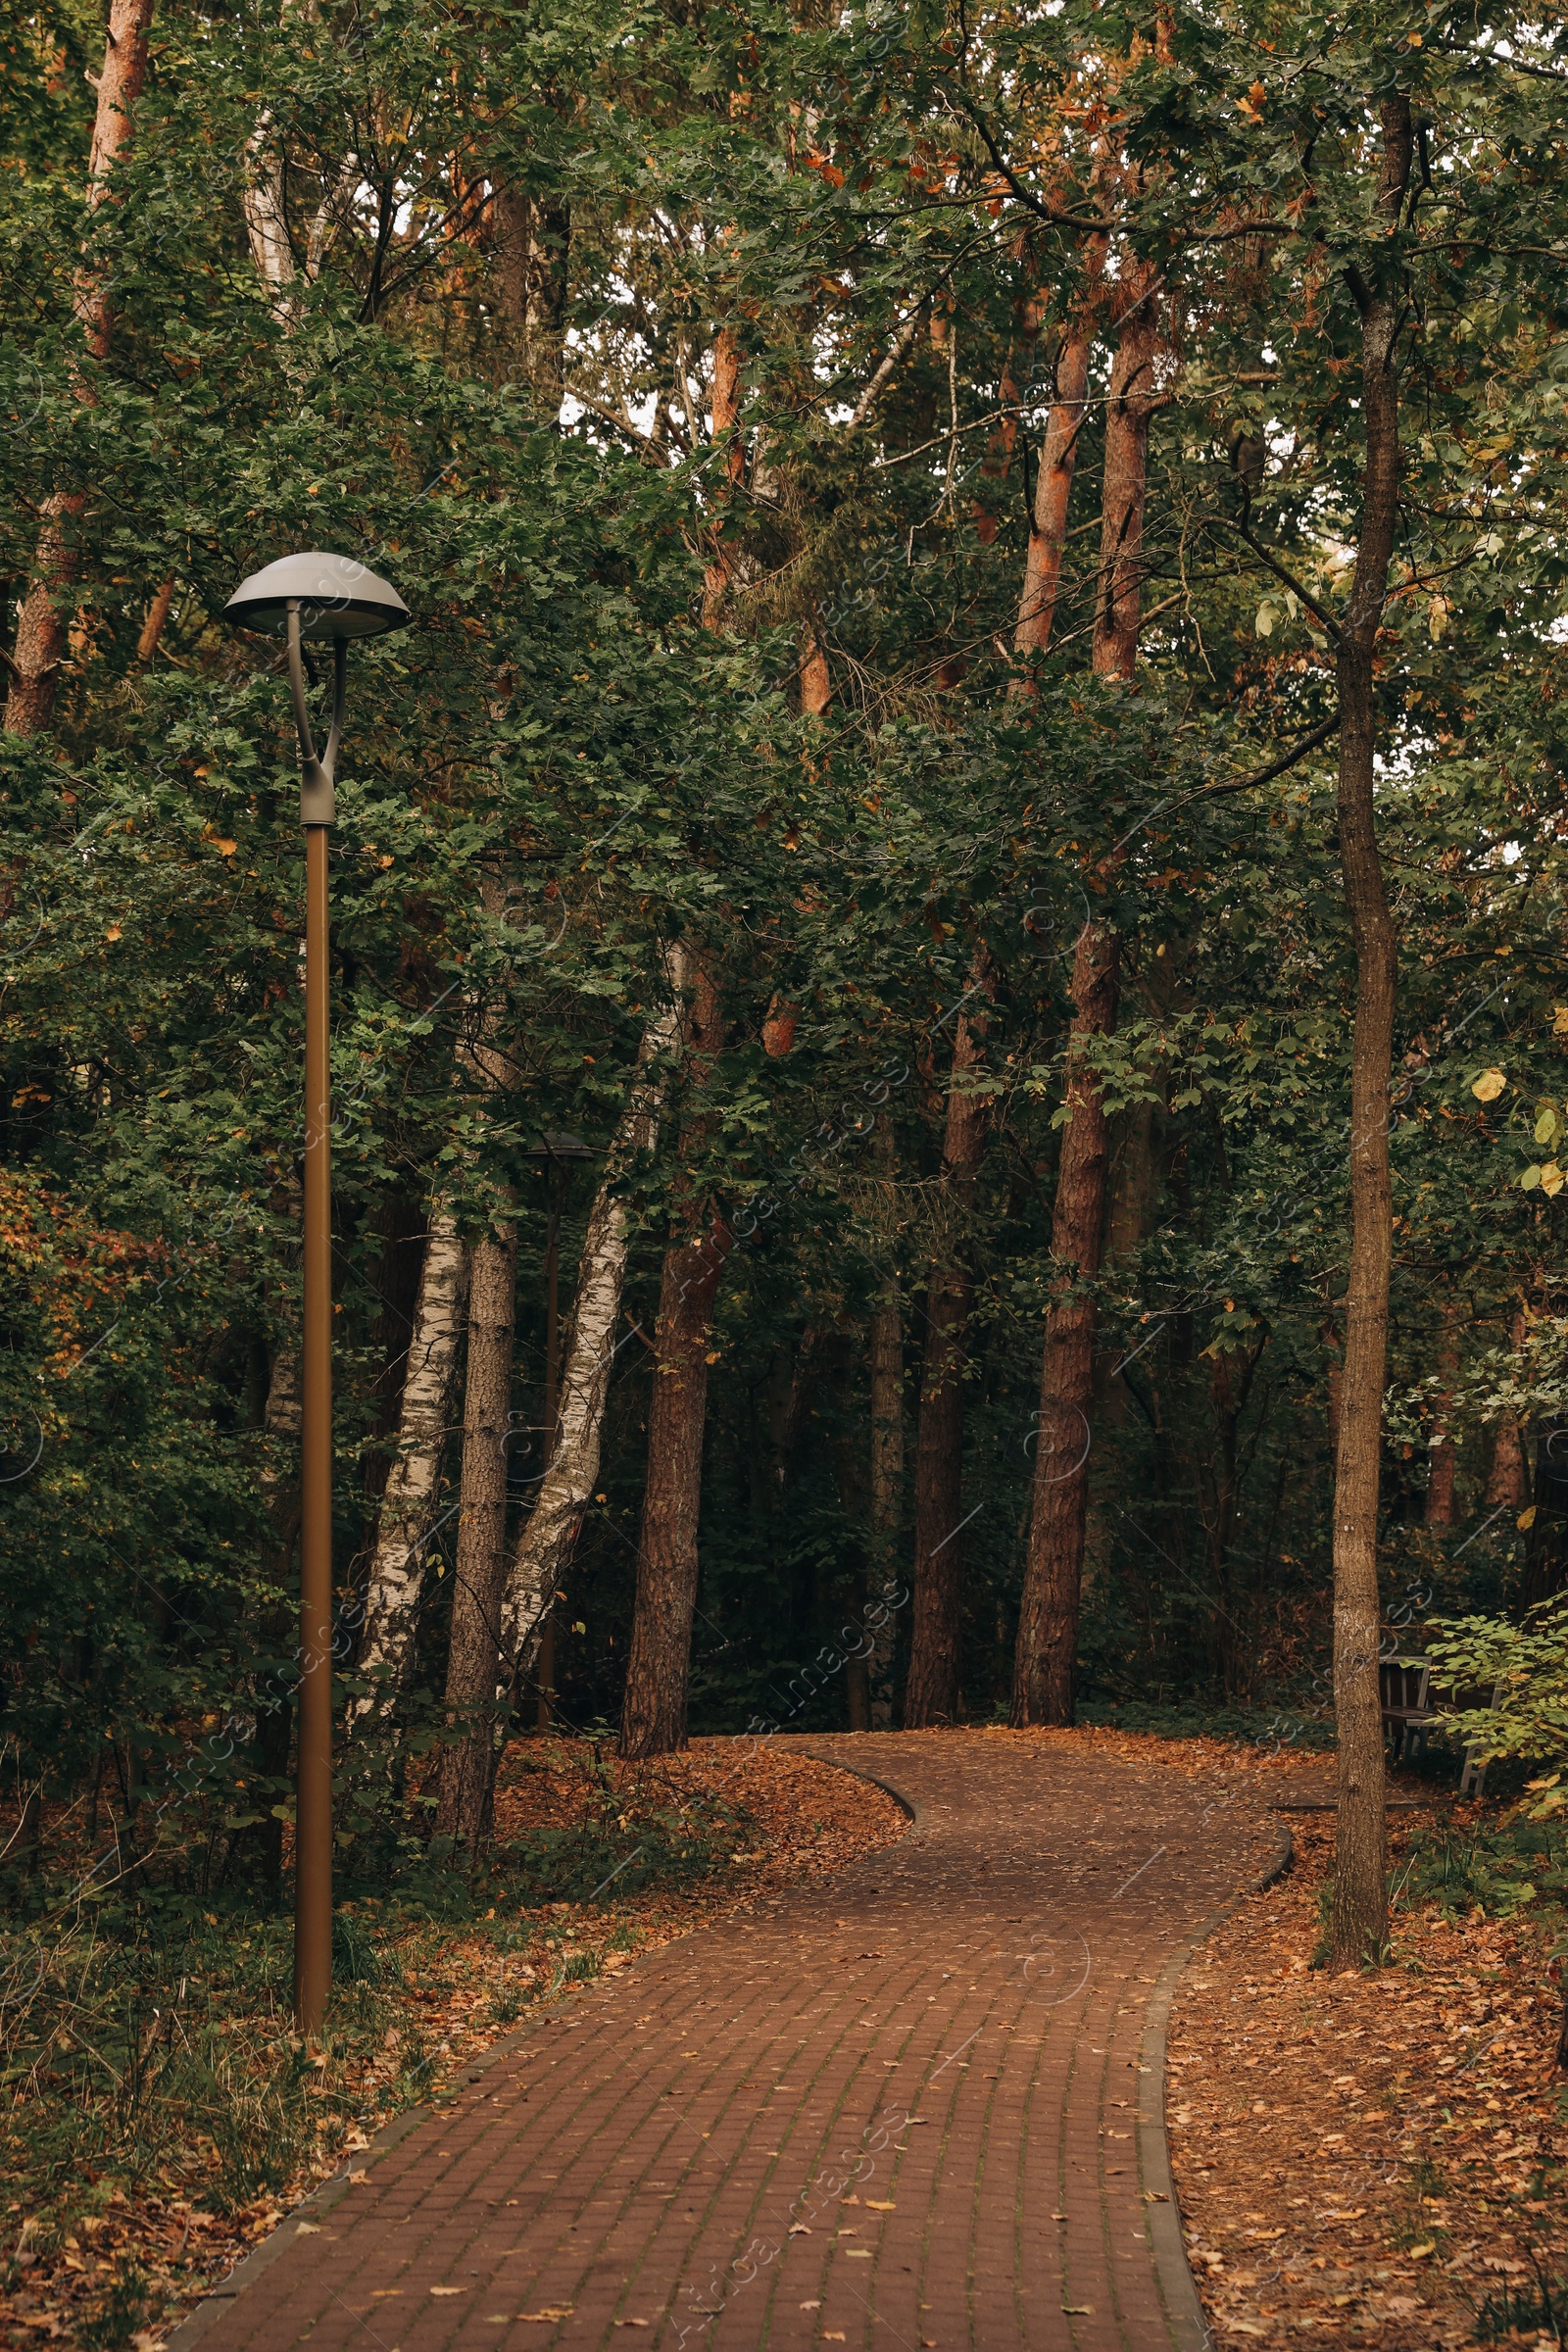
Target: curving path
{"x":917,"y":2104}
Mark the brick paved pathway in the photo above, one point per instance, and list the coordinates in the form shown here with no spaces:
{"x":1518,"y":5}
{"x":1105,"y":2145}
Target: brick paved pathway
{"x":908,"y":2106}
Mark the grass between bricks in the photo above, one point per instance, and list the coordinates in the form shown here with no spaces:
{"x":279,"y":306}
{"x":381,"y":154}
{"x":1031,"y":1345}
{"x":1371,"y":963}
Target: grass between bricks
{"x":161,"y":2116}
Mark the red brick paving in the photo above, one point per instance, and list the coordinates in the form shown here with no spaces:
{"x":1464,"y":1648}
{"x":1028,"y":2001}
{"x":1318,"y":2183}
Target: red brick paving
{"x":900,"y":2107}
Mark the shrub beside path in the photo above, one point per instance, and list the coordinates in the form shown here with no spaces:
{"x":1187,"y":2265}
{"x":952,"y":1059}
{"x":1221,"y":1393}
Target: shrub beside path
{"x":916,"y":2105}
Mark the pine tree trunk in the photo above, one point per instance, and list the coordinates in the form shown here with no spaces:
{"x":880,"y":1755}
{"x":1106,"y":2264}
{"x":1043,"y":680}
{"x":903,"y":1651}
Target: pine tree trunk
{"x":653,"y":1712}
{"x":1129,"y":413}
{"x":545,"y":1544}
{"x":1044,"y":1669}
{"x":1043,"y":1687}
{"x":1508,"y":1475}
{"x":1360,"y":1924}
{"x":654,"y":1709}
{"x":41,"y":621}
{"x":931,"y":1687}
{"x":887,"y":1453}
{"x":1048,"y":526}
{"x":464,"y":1792}
{"x":413,"y":1485}
{"x":725,"y":399}
{"x":534,"y":251}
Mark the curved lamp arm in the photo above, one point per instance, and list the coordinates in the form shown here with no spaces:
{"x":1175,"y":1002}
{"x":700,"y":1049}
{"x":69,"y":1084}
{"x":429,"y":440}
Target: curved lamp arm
{"x":317,"y":804}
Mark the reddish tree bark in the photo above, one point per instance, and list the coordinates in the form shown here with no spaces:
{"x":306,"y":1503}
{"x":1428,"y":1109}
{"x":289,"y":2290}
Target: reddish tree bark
{"x":1358,"y":1928}
{"x":1048,"y":524}
{"x":474,"y":1656}
{"x":1129,"y":412}
{"x":726,"y":403}
{"x":1048,"y":1620}
{"x":41,"y":623}
{"x":654,"y":1710}
{"x":931,"y":1688}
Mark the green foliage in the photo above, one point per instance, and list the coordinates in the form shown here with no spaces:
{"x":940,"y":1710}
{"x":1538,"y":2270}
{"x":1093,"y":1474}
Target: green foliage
{"x":1526,"y":1664}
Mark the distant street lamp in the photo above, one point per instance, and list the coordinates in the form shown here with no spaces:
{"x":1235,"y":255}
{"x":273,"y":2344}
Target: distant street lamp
{"x":556,"y":1151}
{"x":315,"y":595}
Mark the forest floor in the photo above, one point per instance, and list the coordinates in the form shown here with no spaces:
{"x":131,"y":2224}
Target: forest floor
{"x":1374,"y":2159}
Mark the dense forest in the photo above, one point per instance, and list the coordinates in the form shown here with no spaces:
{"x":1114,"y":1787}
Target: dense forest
{"x":947,"y":925}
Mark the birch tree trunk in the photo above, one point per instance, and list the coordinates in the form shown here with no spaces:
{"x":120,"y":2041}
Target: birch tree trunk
{"x":931,"y":1687}
{"x":545,"y":1544}
{"x":414,"y":1482}
{"x":1048,"y":1618}
{"x":463,"y":1800}
{"x":1358,"y":1928}
{"x":41,"y":621}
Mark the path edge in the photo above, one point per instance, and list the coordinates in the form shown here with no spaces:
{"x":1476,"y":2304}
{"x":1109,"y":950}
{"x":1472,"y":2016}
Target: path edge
{"x":329,"y":2192}
{"x":1188,"y":2328}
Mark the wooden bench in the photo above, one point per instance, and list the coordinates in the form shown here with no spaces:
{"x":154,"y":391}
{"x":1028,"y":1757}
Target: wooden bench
{"x":1405,"y":1691}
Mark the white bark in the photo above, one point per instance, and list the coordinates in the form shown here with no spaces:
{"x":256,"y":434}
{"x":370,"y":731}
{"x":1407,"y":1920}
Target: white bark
{"x":545,"y":1544}
{"x":265,"y":222}
{"x":413,"y":1486}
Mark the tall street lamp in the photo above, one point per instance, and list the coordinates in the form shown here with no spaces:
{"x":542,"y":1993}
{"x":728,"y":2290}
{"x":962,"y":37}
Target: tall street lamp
{"x":300,"y":597}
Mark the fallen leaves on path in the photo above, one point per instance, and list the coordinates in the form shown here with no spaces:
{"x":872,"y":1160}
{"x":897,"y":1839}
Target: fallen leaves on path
{"x":454,"y":1992}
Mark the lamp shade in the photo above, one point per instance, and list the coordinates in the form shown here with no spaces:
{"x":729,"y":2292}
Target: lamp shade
{"x":337,"y":598}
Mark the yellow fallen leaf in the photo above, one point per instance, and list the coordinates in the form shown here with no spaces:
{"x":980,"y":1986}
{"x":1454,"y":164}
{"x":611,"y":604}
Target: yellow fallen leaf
{"x":1419,"y":2253}
{"x":1488,"y":1086}
{"x":449,"y":2290}
{"x":113,"y":931}
{"x":880,"y":2205}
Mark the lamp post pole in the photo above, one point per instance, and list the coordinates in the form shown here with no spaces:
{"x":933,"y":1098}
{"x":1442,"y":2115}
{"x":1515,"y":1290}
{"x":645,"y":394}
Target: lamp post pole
{"x":313,"y":1809}
{"x":319,"y":595}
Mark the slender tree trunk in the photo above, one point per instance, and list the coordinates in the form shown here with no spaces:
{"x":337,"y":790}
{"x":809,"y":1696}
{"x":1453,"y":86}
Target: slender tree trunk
{"x":1509,"y":1477}
{"x":1047,"y":1622}
{"x":266,"y":220}
{"x":1444,"y":1454}
{"x":152,"y":628}
{"x":1043,"y":1687}
{"x":816,"y":682}
{"x":465,"y":1785}
{"x":887,"y":1442}
{"x":654,"y":1713}
{"x":545,"y":1544}
{"x":1129,"y":413}
{"x":725,"y":401}
{"x":41,"y":623}
{"x":1047,"y":526}
{"x":931,"y":1687}
{"x":654,"y":1710}
{"x":534,"y":251}
{"x":1359,"y":1925}
{"x":414,"y":1482}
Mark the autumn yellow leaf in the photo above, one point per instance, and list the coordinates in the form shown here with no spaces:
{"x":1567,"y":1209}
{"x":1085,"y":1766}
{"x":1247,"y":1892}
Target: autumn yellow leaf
{"x":1488,"y":1086}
